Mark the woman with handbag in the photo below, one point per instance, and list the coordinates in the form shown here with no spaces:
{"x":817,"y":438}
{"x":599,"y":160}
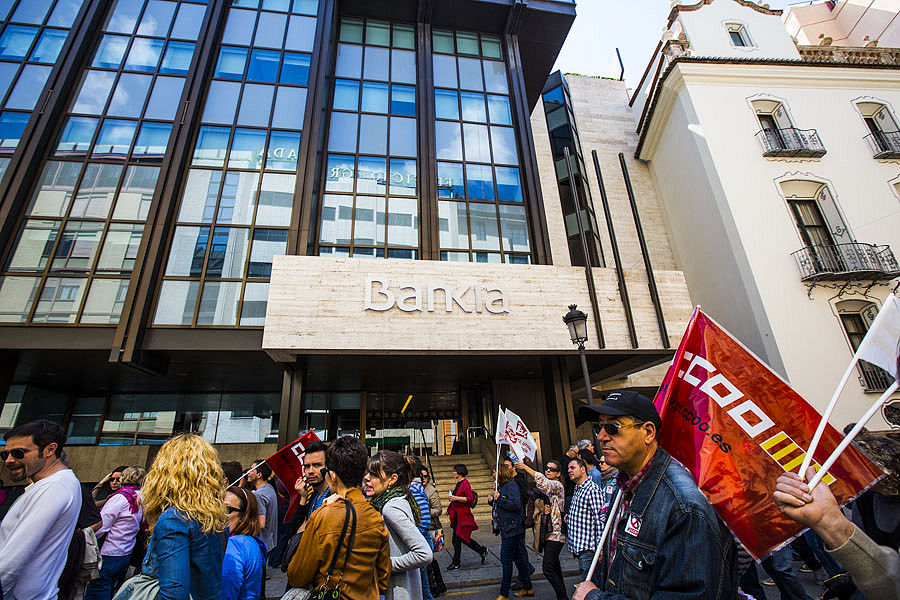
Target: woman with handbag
{"x":387,"y":483}
{"x":243,"y":575}
{"x":510,"y":514}
{"x":461,"y":520}
{"x":551,"y":536}
{"x":182,"y":499}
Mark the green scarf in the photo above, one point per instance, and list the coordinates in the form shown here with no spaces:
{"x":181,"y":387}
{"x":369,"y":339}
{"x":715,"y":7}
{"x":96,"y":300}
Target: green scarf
{"x":379,"y":500}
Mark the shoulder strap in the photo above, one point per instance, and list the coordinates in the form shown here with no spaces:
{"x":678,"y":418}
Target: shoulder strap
{"x":351,"y":540}
{"x":348,"y":506}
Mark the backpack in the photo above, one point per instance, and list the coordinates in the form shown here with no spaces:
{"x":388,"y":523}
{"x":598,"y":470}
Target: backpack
{"x":474,"y":501}
{"x":89,"y":569}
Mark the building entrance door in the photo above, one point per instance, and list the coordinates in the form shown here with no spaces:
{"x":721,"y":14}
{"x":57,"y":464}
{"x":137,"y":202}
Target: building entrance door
{"x":418,"y":423}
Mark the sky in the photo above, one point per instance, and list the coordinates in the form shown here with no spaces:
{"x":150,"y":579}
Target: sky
{"x":633,"y":26}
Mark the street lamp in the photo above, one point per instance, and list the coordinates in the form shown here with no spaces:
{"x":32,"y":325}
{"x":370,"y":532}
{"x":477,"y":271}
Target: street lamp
{"x":576,"y":321}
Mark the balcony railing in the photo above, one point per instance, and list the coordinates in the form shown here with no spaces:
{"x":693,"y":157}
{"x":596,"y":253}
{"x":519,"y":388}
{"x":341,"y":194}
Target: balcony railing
{"x":791,"y":141}
{"x":874,"y":379}
{"x":884,"y":144}
{"x":846,"y":261}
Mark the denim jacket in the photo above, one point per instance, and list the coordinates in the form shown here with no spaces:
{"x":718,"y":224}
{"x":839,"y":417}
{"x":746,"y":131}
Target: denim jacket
{"x":509,"y":511}
{"x":670,"y":544}
{"x":186,"y":561}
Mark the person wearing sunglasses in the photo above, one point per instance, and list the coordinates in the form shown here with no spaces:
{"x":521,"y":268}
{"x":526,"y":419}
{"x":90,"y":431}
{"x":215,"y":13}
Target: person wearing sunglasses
{"x":665,"y":538}
{"x":37,"y":530}
{"x":242,"y":566}
{"x":108,"y":486}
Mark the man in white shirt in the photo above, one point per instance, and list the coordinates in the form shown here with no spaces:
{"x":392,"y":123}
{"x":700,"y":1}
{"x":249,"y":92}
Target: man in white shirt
{"x":35,"y":534}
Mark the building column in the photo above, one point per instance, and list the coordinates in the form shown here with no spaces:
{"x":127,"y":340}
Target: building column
{"x":560,"y":411}
{"x":291,"y":401}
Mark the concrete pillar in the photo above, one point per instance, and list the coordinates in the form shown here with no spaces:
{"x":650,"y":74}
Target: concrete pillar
{"x":291,"y":401}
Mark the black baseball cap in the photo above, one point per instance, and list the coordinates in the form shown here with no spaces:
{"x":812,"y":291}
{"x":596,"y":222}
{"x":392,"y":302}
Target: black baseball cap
{"x":623,"y":403}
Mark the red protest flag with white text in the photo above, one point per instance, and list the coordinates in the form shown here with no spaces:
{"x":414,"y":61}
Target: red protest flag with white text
{"x":736,"y":426}
{"x":287,"y":464}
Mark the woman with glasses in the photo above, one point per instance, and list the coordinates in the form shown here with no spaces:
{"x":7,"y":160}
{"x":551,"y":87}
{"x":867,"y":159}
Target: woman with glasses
{"x":107,"y":486}
{"x":549,"y":483}
{"x":243,"y":576}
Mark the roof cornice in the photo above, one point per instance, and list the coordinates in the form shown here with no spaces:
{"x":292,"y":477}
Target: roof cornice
{"x":692,"y":7}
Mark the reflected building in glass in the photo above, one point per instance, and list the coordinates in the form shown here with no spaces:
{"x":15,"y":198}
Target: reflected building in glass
{"x":200,"y":201}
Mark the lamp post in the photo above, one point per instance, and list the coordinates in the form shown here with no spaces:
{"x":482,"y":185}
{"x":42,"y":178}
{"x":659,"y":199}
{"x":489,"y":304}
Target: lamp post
{"x":576,"y":321}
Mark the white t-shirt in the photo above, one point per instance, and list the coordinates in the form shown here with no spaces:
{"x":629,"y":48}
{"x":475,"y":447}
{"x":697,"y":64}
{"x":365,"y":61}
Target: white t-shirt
{"x":35,"y":536}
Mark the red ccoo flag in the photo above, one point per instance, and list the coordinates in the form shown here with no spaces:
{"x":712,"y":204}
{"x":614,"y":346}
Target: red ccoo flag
{"x":287,"y":464}
{"x":737,"y":426}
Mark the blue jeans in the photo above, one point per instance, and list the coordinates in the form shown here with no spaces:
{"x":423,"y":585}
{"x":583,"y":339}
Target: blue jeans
{"x":778,"y":566}
{"x":426,"y":589}
{"x":512,"y":549}
{"x":584,"y":563}
{"x":831,"y":566}
{"x":101,"y":589}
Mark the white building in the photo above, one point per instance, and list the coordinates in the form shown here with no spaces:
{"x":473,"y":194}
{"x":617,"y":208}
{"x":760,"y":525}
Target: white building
{"x":858,"y":23}
{"x":777,"y":168}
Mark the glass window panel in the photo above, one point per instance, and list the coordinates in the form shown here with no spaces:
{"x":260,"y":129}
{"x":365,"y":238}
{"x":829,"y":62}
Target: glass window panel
{"x":403,"y":222}
{"x":103,"y":306}
{"x":295,"y":68}
{"x":177,"y":59}
{"x":374,"y":138}
{"x":490,"y":47}
{"x":448,"y":140}
{"x":267,"y":243}
{"x":144,"y":55}
{"x":157,"y":18}
{"x":59,"y":300}
{"x":32,"y":11}
{"x":87,"y":413}
{"x":403,"y":66}
{"x":239,"y":27}
{"x":403,"y":177}
{"x":495,"y":76}
{"x":188,"y":21}
{"x":337,"y":219}
{"x":7,"y":72}
{"x":253,"y":309}
{"x":445,"y":71}
{"x":554,"y":97}
{"x":301,"y":34}
{"x":221,"y":102}
{"x":503,"y":140}
{"x":152,"y":142}
{"x":263,"y":66}
{"x":374,"y":97}
{"x":477,"y":145}
{"x":96,"y":192}
{"x":247,"y":149}
{"x":290,"y":102}
{"x":16,"y":298}
{"x":131,"y":92}
{"x":164,"y":100}
{"x":198,"y":202}
{"x":283,"y":149}
{"x":176,"y":303}
{"x":48,"y":47}
{"x":364,"y":221}
{"x":340,"y":173}
{"x":16,"y":41}
{"x":231,"y":63}
{"x":306,"y":7}
{"x":211,"y":145}
{"x":378,"y":33}
{"x":450,"y":180}
{"x":404,"y":254}
{"x":352,"y":30}
{"x":467,"y":43}
{"x":346,"y":94}
{"x":483,"y":223}
{"x":518,"y":259}
{"x":12,"y":125}
{"x":276,"y":199}
{"x":338,"y":252}
{"x":349,"y":61}
{"x":4,"y":163}
{"x":446,"y":104}
{"x":76,"y":136}
{"x":455,"y":256}
{"x":442,"y":41}
{"x":473,"y":107}
{"x":375,"y":65}
{"x":94,"y":91}
{"x":120,"y":248}
{"x":509,"y":184}
{"x":371,"y":175}
{"x":219,"y":302}
{"x":514,"y":226}
{"x":403,"y":136}
{"x":256,"y":105}
{"x":480,"y":182}
{"x":487,"y":257}
{"x":136,"y":193}
{"x":28,"y":88}
{"x":238,"y":198}
{"x":403,"y":100}
{"x":404,"y":37}
{"x":342,"y":135}
{"x":470,"y":74}
{"x":124,"y":17}
{"x":227,"y":252}
{"x":270,"y":30}
{"x":77,"y":246}
{"x":498,"y":107}
{"x":34,"y":245}
{"x":54,"y":190}
{"x":284,"y":5}
{"x":115,"y":138}
{"x":188,"y":251}
{"x":453,"y":225}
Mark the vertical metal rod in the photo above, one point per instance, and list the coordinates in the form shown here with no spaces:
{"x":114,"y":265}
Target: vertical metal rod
{"x":587,"y":375}
{"x":651,"y":280}
{"x":588,"y":273}
{"x":620,"y":274}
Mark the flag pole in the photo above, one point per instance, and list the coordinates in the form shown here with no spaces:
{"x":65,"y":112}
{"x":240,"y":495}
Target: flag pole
{"x":497,"y":443}
{"x":853,"y":433}
{"x":244,"y":474}
{"x":609,"y":521}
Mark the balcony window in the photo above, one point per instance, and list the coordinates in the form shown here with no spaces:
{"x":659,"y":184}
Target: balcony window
{"x":856,"y":317}
{"x":883,"y":135}
{"x":778,"y":135}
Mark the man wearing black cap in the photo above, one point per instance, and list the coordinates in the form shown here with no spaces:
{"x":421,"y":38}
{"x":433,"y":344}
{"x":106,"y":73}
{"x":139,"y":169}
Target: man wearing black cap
{"x":666,"y":539}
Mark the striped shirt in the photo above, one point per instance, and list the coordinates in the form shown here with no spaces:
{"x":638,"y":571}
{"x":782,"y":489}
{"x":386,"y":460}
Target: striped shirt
{"x":587,"y":513}
{"x":418,"y":493}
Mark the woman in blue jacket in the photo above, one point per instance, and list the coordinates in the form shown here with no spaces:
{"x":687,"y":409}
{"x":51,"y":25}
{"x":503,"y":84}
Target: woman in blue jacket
{"x":510,"y":519}
{"x":242,"y":568}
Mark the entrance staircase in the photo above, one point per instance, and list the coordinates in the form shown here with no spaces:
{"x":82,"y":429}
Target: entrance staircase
{"x":480,"y":478}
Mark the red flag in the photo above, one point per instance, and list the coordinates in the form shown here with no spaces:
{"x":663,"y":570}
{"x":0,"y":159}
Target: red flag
{"x":287,"y":464}
{"x":736,"y":426}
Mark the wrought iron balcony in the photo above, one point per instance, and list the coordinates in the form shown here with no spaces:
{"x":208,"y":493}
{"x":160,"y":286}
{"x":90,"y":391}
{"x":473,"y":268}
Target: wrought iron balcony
{"x":846,"y":262}
{"x":791,"y":141}
{"x":884,"y":144}
{"x":872,"y":378}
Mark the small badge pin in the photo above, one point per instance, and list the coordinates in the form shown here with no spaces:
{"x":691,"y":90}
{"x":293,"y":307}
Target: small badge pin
{"x":634,"y":525}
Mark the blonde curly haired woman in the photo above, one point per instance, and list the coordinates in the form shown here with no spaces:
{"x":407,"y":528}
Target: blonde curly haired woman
{"x":182,"y":499}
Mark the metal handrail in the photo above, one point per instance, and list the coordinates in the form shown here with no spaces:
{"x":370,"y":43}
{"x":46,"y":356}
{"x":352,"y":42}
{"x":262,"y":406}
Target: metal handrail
{"x":884,"y":143}
{"x":426,"y":455}
{"x":469,"y":435}
{"x":790,"y":141}
{"x":450,"y":435}
{"x":846,"y":260}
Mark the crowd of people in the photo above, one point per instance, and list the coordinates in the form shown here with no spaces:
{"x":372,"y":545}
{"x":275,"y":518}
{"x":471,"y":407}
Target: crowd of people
{"x":369,"y":527}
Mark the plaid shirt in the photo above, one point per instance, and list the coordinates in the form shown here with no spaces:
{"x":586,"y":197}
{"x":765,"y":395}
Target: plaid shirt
{"x":627,"y":487}
{"x":587,"y":513}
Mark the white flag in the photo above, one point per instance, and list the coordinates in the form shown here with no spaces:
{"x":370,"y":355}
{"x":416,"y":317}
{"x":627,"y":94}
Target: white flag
{"x":518,"y":437}
{"x":881,"y":346}
{"x":500,"y":435}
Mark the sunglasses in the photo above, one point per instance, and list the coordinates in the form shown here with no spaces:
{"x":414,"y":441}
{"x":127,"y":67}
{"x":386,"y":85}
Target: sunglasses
{"x":17,"y":453}
{"x":231,"y":509}
{"x":551,"y":469}
{"x":614,"y":428}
